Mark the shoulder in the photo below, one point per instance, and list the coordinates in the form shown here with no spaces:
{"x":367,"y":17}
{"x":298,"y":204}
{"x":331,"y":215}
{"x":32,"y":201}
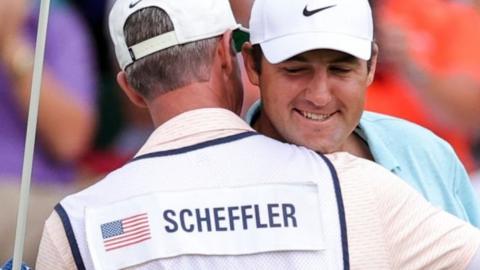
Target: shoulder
{"x":395,"y":131}
{"x":420,"y":157}
{"x":378,"y":121}
{"x":103,"y":191}
{"x":54,"y":250}
{"x":355,"y":167}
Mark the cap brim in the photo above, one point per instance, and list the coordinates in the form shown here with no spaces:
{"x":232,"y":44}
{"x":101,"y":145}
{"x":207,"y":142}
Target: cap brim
{"x":283,"y":48}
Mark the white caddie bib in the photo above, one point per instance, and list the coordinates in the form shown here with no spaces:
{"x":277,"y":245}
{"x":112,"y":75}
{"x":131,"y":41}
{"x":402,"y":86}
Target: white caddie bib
{"x":216,"y":221}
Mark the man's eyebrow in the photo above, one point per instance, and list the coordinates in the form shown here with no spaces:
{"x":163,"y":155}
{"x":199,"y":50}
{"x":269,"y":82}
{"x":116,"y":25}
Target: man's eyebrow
{"x":345,"y":58}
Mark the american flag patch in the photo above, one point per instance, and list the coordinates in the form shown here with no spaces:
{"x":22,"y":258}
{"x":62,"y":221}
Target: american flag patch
{"x":125,"y":232}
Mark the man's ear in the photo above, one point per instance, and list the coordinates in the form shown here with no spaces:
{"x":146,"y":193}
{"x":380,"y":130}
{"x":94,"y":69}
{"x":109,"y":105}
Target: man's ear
{"x":373,"y":64}
{"x":249,"y":63}
{"x":226,"y":52}
{"x":131,"y":93}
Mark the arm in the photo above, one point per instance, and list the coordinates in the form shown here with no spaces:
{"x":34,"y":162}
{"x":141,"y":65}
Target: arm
{"x":66,"y":122}
{"x":453,"y":97}
{"x":419,"y":235}
{"x":387,"y":217}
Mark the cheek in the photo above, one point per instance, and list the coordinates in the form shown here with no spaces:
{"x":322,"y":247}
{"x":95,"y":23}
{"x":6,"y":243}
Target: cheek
{"x":279,"y":94}
{"x":355,"y":104}
{"x":272,"y":92}
{"x":352,"y":95}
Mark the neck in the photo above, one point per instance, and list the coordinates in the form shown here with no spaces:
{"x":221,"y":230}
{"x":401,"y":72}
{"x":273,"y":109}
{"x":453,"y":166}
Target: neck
{"x":265,"y":127}
{"x":194,"y":96}
{"x":356,"y":146}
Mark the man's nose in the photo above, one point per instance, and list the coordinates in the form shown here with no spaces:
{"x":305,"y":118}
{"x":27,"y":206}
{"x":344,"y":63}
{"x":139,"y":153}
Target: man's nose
{"x":318,"y":91}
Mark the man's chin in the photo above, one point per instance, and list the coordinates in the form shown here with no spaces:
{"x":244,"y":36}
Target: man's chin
{"x":317,"y":146}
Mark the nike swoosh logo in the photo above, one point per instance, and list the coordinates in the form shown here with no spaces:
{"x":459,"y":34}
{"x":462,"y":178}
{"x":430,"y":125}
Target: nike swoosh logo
{"x":308,"y":13}
{"x":133,"y":4}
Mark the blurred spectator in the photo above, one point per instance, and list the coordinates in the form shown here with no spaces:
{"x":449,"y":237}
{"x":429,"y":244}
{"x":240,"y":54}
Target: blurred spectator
{"x":93,"y":13}
{"x":429,"y":68}
{"x":474,"y":3}
{"x":122,"y":127}
{"x":122,"y":130}
{"x":476,"y":147}
{"x":66,"y":114}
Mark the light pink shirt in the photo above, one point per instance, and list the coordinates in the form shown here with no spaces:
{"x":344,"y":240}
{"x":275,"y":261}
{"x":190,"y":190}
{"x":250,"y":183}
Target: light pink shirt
{"x":389,"y":225}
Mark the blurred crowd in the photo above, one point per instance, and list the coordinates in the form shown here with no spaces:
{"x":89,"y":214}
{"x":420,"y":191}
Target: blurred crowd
{"x":428,"y":73}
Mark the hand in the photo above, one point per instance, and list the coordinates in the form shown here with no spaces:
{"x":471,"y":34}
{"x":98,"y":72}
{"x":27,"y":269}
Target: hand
{"x":13,"y":14}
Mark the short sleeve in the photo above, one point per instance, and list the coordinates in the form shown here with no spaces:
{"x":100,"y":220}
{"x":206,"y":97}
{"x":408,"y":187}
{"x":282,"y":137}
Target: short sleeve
{"x":402,"y":228}
{"x":54,"y":251}
{"x":419,"y":235}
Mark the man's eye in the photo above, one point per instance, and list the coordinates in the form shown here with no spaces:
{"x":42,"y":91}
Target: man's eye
{"x":294,"y":69}
{"x":340,"y":69}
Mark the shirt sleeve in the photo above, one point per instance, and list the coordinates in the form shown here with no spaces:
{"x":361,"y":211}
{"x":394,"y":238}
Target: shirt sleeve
{"x":419,"y":235}
{"x":465,"y":194}
{"x":54,"y":252}
{"x":416,"y":235}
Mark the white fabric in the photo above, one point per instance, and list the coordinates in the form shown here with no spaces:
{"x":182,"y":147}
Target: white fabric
{"x":194,"y":127}
{"x":216,"y":167}
{"x":475,"y":262}
{"x":193,"y":20}
{"x":169,"y":224}
{"x":154,"y":44}
{"x":286,"y":28}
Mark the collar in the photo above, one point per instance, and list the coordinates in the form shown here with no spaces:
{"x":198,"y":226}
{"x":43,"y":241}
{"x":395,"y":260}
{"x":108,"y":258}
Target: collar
{"x":194,"y":127}
{"x":253,"y":112}
{"x":380,"y":150}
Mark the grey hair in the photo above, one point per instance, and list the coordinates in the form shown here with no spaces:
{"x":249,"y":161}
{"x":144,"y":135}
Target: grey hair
{"x":170,"y":68}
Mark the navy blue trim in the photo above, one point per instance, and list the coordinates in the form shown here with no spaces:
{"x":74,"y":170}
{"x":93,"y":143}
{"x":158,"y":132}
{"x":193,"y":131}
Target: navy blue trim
{"x":197,"y":146}
{"x":70,"y":236}
{"x":341,"y":213}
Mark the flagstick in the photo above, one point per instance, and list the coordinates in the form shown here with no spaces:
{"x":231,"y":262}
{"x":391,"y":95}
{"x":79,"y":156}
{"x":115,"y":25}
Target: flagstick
{"x":30,"y":139}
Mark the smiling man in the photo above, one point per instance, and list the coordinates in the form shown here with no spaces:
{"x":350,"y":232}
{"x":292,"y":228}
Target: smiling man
{"x":321,"y":100}
{"x":313,"y":62}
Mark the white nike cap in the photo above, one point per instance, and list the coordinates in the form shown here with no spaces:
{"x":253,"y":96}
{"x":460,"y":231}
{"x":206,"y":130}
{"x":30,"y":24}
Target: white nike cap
{"x":193,"y":20}
{"x":285,"y":28}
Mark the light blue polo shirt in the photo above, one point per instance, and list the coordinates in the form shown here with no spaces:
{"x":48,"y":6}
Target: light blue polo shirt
{"x":422,"y":159}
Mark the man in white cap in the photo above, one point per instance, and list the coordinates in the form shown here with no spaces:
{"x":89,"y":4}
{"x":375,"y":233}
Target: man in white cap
{"x":187,"y":200}
{"x":313,"y":62}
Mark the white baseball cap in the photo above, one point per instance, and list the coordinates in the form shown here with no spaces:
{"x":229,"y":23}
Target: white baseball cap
{"x":285,"y":28}
{"x":193,"y":20}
